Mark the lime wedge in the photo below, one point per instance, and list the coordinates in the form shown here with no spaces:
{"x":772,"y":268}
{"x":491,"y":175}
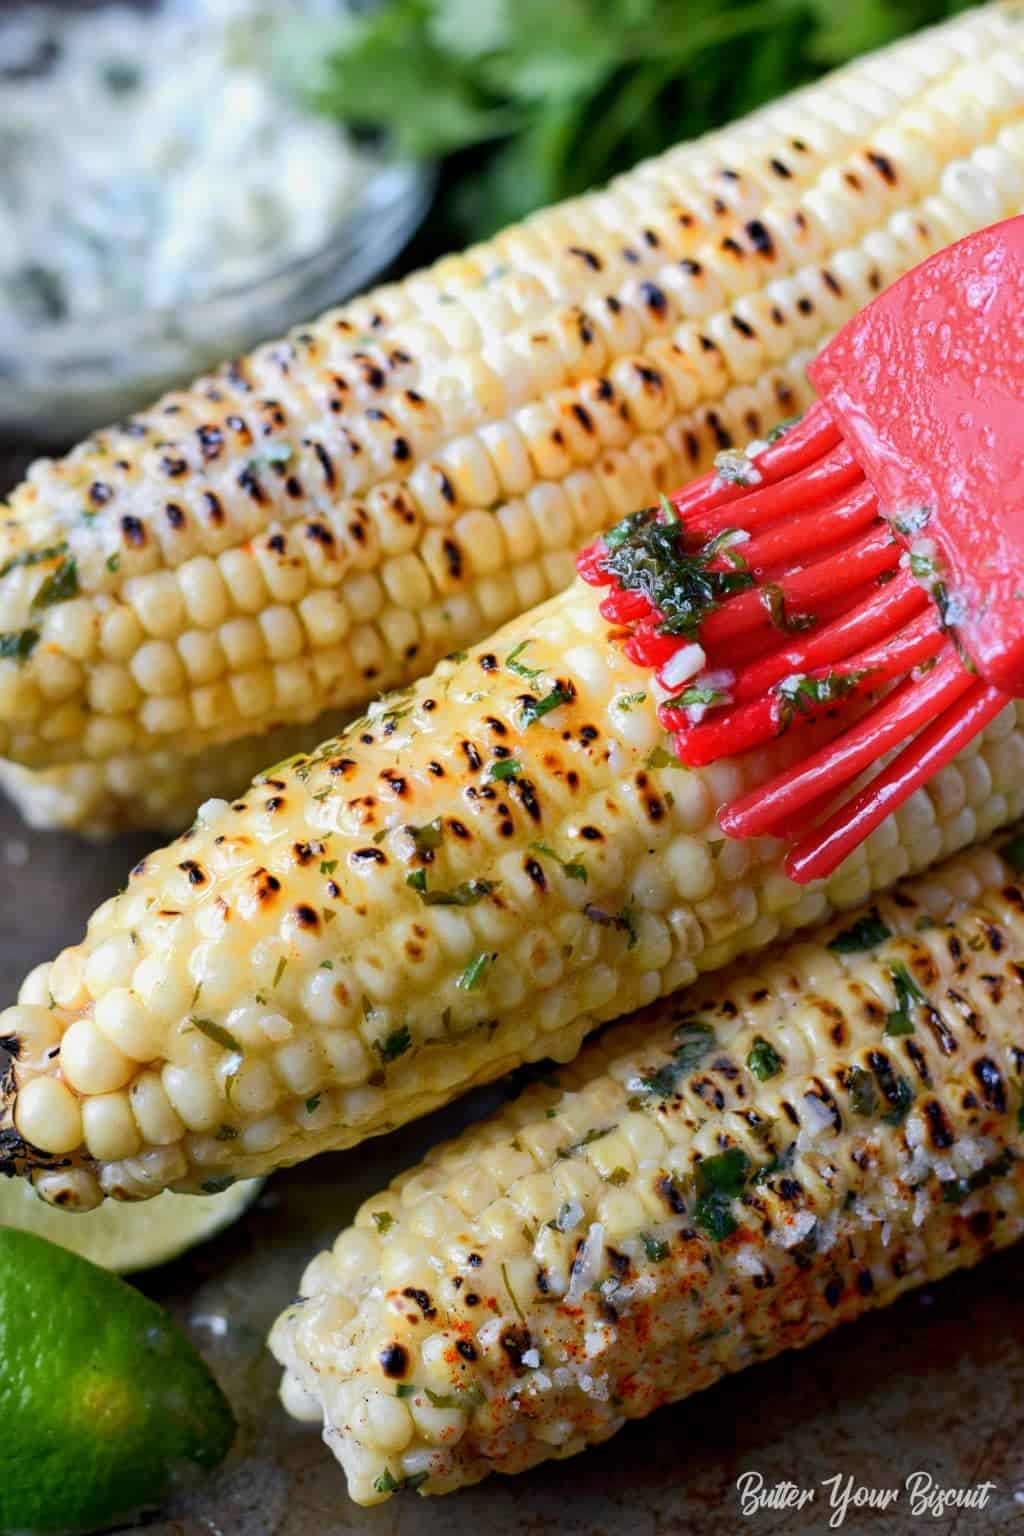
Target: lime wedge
{"x":125,"y":1237}
{"x":105,"y":1404}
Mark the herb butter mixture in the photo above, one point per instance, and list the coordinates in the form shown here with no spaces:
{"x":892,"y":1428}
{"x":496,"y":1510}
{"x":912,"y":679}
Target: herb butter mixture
{"x":152,"y":158}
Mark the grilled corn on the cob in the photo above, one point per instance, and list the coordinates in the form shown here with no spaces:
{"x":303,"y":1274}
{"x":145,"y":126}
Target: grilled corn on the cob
{"x":156,"y":790}
{"x":730,"y":1176}
{"x":334,"y":513}
{"x":473,"y":875}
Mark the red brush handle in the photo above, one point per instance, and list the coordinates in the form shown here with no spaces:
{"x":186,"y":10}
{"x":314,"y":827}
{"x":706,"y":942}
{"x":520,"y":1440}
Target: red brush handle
{"x":927,"y":388}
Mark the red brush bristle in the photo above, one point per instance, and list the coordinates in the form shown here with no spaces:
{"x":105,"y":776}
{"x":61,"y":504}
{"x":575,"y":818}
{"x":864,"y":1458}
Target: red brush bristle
{"x":804,"y":599}
{"x":823,"y":691}
{"x":817,"y":855}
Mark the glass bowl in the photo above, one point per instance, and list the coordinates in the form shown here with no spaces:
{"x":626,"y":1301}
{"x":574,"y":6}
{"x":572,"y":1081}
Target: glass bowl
{"x":78,"y":376}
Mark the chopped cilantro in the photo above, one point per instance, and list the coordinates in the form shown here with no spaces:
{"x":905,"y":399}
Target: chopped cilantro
{"x":908,"y":993}
{"x":778,"y":1164}
{"x":393,"y":1045}
{"x":696,"y":1039}
{"x":865,"y":933}
{"x":900,"y":1098}
{"x":328,"y":866}
{"x":515,"y":1301}
{"x":719,"y":1180}
{"x":472,"y":977}
{"x":382,"y":1220}
{"x":29,"y":557}
{"x":863,"y":1093}
{"x":764,"y":1060}
{"x":645,"y":553}
{"x":533,"y":709}
{"x":465,"y":895}
{"x":782,"y":428}
{"x":625,"y":701}
{"x":923,"y":567}
{"x":18,"y":644}
{"x":805,"y":694}
{"x":572,"y":871}
{"x":669,"y":515}
{"x":518,"y":667}
{"x":957,"y":1190}
{"x":595,"y":1133}
{"x":658,"y":757}
{"x":385,"y":1483}
{"x":313,"y":1104}
{"x":626,"y":922}
{"x":60,"y":585}
{"x":428,"y":837}
{"x":698,"y":696}
{"x":774,"y":600}
{"x":217,"y":1033}
{"x":506,"y":768}
{"x":654,"y":1248}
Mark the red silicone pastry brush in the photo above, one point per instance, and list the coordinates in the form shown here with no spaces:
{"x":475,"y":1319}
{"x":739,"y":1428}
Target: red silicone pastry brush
{"x":869,"y":563}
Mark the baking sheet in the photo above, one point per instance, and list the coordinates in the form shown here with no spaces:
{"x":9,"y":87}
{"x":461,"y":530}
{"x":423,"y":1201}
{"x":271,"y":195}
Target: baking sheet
{"x":934,"y":1385}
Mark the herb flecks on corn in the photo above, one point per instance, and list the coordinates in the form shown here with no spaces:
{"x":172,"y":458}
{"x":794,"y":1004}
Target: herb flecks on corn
{"x":473,"y":875}
{"x":329,"y":516}
{"x":669,"y":1213}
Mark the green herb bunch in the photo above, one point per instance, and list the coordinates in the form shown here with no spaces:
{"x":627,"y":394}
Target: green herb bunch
{"x":535,"y":100}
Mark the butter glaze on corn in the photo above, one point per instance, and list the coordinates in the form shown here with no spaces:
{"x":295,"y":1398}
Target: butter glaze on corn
{"x":272,"y":984}
{"x":553,"y":1272}
{"x":332,"y":514}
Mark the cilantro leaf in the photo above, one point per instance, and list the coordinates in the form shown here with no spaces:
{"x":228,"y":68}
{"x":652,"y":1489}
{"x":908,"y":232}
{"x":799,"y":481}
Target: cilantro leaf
{"x":696,"y":1041}
{"x":865,"y":933}
{"x":18,"y":644}
{"x":908,"y":994}
{"x":764,"y":1060}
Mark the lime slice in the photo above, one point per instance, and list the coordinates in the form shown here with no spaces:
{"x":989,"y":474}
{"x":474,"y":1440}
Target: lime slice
{"x":125,"y":1237}
{"x":105,"y":1404}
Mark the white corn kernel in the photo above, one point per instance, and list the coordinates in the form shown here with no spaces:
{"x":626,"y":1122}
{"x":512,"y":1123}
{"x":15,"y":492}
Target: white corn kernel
{"x":109,"y":1130}
{"x":90,"y":1062}
{"x":47,"y":1116}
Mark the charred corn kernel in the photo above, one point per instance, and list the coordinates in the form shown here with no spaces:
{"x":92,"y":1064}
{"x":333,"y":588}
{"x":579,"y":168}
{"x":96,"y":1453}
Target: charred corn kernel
{"x":32,"y":1023}
{"x":732,"y":1174}
{"x":331,"y":515}
{"x":477,"y":872}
